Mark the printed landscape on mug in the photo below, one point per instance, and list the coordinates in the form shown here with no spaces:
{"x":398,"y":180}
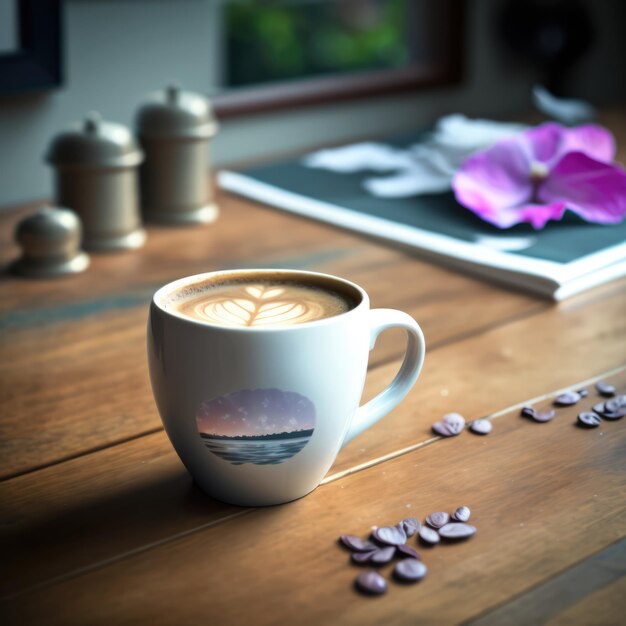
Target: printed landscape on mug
{"x":260,"y":426}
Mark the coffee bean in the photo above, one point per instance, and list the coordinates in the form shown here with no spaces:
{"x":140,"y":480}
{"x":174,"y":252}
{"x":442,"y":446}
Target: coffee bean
{"x":356,"y":544}
{"x":481,"y":427}
{"x":528,"y":411}
{"x":384,"y":555}
{"x":455,"y":422}
{"x":583,"y":393}
{"x":612,"y":405}
{"x":605,"y":389}
{"x":442,"y":429}
{"x":371,"y":583}
{"x":457,"y":531}
{"x":462,"y":514}
{"x":410,"y":525}
{"x":614,"y":415}
{"x":428,"y":535}
{"x":610,"y":410}
{"x":568,"y":398}
{"x":599,"y":408}
{"x":543,"y":416}
{"x":437,"y":520}
{"x":589,"y":419}
{"x":400,"y":527}
{"x":362,"y":557}
{"x":390,"y":535}
{"x":410,"y":570}
{"x":408,"y":551}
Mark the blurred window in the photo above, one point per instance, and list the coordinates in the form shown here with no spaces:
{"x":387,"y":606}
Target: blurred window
{"x":298,"y":38}
{"x":289,"y":52}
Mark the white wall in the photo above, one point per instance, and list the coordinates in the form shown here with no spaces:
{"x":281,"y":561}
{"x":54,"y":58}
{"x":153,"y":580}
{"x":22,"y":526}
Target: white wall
{"x":117,"y":50}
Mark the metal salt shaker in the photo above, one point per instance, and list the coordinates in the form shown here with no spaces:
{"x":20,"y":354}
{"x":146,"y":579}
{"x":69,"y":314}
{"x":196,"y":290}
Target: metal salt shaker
{"x":174,"y":128}
{"x":96,"y":166}
{"x":50,"y":242}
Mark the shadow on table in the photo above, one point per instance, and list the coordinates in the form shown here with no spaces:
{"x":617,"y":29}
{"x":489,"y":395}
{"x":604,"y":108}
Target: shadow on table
{"x":44,"y":541}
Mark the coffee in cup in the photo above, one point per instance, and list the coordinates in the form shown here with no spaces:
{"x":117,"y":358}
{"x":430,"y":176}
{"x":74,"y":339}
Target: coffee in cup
{"x":262,"y":300}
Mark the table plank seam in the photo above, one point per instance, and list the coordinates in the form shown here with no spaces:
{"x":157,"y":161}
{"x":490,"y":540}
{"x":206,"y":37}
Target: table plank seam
{"x":490,"y":416}
{"x":83,"y":453}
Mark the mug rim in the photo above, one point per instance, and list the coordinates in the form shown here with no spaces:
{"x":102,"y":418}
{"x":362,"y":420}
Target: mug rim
{"x":166,"y":289}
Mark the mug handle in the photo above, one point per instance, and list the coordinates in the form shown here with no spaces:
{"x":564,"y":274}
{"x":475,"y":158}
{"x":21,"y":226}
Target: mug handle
{"x":386,"y":400}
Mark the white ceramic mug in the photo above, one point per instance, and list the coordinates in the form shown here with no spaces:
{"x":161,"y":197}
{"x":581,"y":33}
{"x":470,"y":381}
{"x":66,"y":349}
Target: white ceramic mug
{"x":313,"y":372}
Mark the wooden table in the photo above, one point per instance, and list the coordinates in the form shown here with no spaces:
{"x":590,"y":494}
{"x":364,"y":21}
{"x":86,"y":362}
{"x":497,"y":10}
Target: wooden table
{"x":101,"y":524}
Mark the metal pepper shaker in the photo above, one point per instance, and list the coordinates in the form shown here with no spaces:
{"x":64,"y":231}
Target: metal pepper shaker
{"x":96,"y":166}
{"x":174,"y":128}
{"x":50,"y":242}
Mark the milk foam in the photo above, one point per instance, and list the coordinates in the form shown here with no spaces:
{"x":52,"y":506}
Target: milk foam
{"x":264,"y":304}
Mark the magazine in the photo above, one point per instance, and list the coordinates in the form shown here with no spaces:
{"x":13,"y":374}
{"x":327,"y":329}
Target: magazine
{"x":559,"y":261}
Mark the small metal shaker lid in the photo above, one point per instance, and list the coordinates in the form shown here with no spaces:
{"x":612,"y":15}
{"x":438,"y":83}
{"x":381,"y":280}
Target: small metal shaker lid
{"x":50,"y":241}
{"x":94,"y":143}
{"x":173,"y":112}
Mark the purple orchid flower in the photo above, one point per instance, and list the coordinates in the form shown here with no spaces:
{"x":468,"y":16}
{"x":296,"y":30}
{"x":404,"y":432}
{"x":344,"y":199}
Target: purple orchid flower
{"x":538,"y":174}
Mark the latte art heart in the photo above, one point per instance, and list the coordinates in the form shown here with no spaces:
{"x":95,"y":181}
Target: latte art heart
{"x":264,"y":310}
{"x":258,"y":304}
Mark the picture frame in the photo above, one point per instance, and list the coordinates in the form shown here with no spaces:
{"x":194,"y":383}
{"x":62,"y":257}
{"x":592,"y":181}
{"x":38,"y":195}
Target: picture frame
{"x":35,"y":61}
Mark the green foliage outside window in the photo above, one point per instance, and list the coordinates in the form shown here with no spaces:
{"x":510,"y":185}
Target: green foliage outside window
{"x":274,"y":41}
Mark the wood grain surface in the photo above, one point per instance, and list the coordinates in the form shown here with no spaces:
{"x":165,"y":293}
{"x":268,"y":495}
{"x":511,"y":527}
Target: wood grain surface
{"x":472,"y":376}
{"x":534,"y":495}
{"x":101,"y":524}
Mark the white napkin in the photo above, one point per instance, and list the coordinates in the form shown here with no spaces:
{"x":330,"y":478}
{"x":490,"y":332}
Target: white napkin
{"x":427,"y":167}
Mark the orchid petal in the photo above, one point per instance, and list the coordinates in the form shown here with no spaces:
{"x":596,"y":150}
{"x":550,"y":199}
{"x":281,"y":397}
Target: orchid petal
{"x":540,"y":214}
{"x":550,"y":142}
{"x":544,"y":143}
{"x":535,"y":214}
{"x":491,"y":181}
{"x":596,"y":191}
{"x":595,"y":141}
